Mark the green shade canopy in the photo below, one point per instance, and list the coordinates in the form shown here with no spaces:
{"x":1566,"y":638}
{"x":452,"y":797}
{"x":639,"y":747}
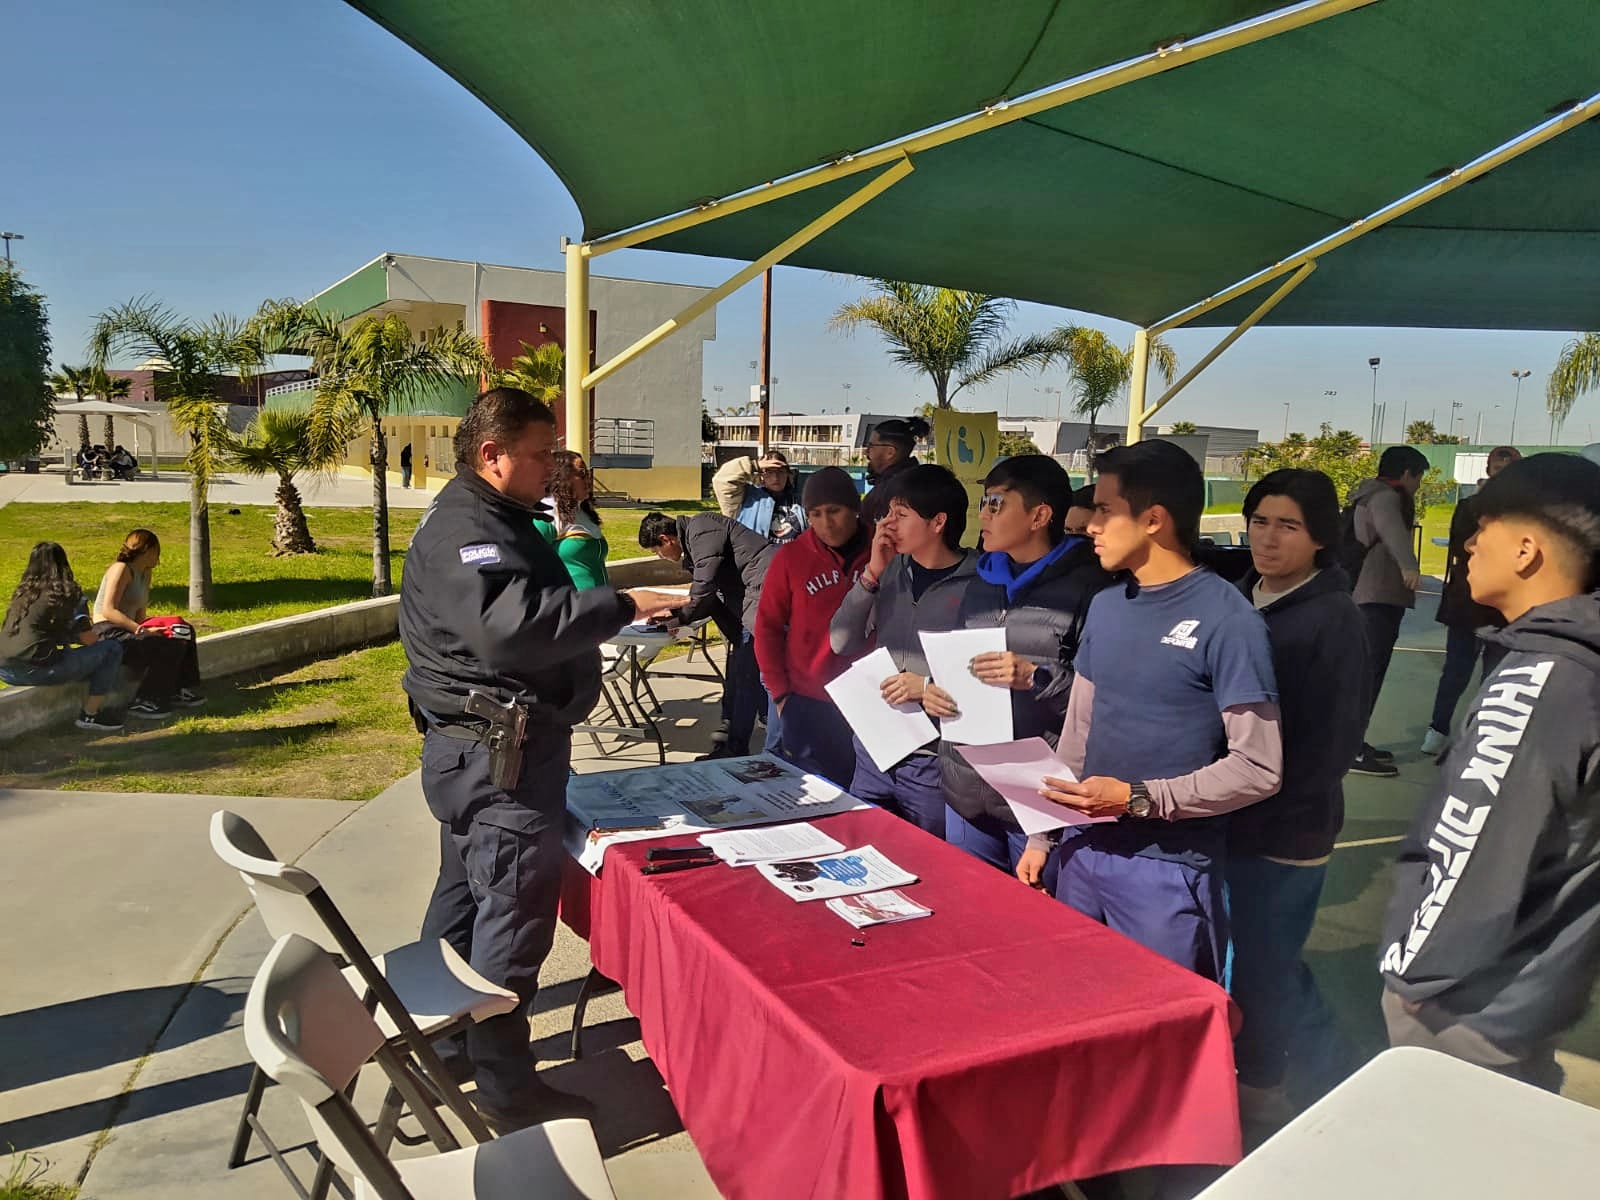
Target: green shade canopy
{"x":1134,"y":203}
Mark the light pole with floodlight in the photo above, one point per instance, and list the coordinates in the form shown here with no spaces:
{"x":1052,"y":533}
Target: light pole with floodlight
{"x":10,"y":237}
{"x":1519,"y":376}
{"x":1373,"y":431}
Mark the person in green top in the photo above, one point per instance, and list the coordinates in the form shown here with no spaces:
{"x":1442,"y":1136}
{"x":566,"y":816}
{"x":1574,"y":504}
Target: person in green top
{"x":571,"y":523}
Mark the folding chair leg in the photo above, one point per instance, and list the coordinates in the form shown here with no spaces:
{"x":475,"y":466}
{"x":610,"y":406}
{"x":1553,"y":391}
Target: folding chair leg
{"x":409,"y":1087}
{"x":388,"y":1120}
{"x":594,"y":984}
{"x":322,"y":1181}
{"x":252,"y":1104}
{"x":437,"y":1079}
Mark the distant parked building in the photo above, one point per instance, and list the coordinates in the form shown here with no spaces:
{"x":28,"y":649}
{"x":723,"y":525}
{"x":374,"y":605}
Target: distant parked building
{"x":826,"y":439}
{"x":646,"y":422}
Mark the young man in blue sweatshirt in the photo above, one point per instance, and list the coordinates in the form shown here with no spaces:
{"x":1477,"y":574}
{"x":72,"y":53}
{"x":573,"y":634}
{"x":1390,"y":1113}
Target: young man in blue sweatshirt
{"x":1172,"y":721}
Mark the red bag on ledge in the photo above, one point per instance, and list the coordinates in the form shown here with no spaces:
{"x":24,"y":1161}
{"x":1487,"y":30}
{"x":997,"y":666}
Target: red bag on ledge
{"x":172,"y":627}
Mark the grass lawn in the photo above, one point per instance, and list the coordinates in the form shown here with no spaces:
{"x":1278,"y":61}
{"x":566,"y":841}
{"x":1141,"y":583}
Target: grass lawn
{"x":336,"y":729}
{"x":250,"y":583}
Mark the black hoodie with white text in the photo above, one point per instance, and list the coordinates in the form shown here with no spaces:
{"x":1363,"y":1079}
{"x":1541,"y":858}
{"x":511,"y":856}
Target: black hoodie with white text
{"x":1495,"y":916}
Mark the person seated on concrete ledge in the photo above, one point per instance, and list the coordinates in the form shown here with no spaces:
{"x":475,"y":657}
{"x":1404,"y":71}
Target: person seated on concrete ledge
{"x":166,"y":654}
{"x":123,"y":464}
{"x":47,"y":615}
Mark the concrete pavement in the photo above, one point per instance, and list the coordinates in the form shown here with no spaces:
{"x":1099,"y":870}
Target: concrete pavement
{"x":141,"y":946}
{"x":316,"y":491}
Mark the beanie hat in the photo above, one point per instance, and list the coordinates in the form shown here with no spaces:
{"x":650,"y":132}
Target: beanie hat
{"x":831,"y":486}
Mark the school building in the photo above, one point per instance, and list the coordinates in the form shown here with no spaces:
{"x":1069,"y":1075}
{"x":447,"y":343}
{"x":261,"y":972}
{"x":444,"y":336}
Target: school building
{"x":646,"y":428}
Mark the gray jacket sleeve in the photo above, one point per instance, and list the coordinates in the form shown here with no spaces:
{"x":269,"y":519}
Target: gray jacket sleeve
{"x":1251,"y":770}
{"x":855,"y":623}
{"x":1389,"y":522}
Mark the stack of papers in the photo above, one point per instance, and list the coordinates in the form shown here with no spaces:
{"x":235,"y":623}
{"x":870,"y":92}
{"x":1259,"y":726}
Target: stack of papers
{"x":746,"y":847}
{"x":846,"y":874}
{"x":878,"y":908}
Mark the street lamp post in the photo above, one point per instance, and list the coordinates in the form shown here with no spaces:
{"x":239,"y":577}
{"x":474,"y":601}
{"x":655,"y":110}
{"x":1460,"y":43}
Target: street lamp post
{"x":1455,"y":410}
{"x":1286,"y":420}
{"x":1374,"y":431}
{"x":10,"y":237}
{"x":1519,"y":376}
{"x":846,"y":388}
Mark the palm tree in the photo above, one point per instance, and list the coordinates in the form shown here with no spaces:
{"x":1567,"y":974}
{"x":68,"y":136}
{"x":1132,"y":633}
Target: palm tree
{"x":541,"y":371}
{"x":1181,"y":428}
{"x":366,"y":369}
{"x":197,"y":355}
{"x":1577,"y":371}
{"x":279,"y":442}
{"x":948,"y":334}
{"x":76,"y":381}
{"x":1101,"y":368}
{"x":106,"y":389}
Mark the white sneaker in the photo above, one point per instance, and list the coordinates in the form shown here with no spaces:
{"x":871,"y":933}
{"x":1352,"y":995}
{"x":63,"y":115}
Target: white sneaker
{"x":1434,"y":742}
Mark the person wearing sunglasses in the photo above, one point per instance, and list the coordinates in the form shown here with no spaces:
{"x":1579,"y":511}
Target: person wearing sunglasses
{"x":890,"y":451}
{"x":1035,"y":582}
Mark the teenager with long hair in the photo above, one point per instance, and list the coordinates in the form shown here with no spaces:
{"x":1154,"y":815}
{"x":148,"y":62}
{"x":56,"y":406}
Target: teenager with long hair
{"x":46,"y":638}
{"x":165,"y":656}
{"x":570,"y":522}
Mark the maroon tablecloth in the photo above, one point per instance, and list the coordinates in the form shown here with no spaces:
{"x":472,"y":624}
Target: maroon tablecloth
{"x":1000,"y":1045}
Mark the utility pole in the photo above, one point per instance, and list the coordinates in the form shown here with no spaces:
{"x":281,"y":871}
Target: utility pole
{"x":10,"y":237}
{"x":764,"y":428}
{"x":1286,"y":420}
{"x":1519,"y":376}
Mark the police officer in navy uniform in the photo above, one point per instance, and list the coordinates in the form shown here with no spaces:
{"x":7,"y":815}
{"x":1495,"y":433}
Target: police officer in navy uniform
{"x":502,"y":650}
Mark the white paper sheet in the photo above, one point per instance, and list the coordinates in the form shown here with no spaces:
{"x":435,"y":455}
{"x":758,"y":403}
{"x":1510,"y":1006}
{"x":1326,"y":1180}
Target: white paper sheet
{"x":745,"y":847}
{"x":985,"y":707}
{"x":888,"y":731}
{"x":1016,"y":770}
{"x":863,"y":870}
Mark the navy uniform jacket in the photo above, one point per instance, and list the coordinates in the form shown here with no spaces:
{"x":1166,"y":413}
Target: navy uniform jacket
{"x":486,"y":603}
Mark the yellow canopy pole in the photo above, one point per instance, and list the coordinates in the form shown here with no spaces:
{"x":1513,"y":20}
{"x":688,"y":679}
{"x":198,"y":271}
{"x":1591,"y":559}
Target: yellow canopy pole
{"x":576,"y":351}
{"x":1163,"y":58}
{"x":1137,"y":383}
{"x":711,"y":299}
{"x":1261,"y":310}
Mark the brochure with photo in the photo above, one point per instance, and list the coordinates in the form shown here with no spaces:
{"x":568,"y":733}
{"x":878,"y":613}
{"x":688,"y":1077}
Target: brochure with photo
{"x":847,"y":874}
{"x":878,"y":908}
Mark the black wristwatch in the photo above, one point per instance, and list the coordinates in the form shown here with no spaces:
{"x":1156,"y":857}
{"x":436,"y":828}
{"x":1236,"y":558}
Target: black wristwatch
{"x":1139,"y":803}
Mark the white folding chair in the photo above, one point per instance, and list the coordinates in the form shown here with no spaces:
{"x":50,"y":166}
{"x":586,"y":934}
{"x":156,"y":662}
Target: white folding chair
{"x":419,"y":993}
{"x":310,"y":1033}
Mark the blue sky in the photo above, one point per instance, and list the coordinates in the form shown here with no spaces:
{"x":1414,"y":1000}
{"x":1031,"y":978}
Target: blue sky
{"x":218,"y":154}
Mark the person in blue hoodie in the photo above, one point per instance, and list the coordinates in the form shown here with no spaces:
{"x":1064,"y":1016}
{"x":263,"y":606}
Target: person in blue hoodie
{"x":1288,"y":1051}
{"x":1036,"y":582}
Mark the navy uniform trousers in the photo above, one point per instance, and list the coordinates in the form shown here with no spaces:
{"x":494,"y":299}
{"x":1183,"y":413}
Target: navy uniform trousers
{"x":500,"y":863}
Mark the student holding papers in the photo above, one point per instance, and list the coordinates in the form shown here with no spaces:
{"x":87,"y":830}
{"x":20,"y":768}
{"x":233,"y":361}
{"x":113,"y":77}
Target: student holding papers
{"x":803,"y":588}
{"x":1035,"y":582}
{"x":1173,"y":719}
{"x":913,"y":584}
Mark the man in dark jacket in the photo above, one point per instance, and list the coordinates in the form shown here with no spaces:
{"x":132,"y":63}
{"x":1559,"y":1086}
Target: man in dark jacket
{"x":1462,"y":618}
{"x":486,"y":606}
{"x":726,"y":563}
{"x":1036,"y":583}
{"x":1288,"y":1050}
{"x":1385,"y":510}
{"x":1491,"y":947}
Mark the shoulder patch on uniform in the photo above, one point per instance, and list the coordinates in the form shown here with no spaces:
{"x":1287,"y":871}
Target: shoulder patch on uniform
{"x":483,"y":552}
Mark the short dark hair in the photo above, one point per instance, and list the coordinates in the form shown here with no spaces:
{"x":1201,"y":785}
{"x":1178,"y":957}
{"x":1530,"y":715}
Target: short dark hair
{"x":1402,"y":460}
{"x":928,"y":490}
{"x":654,"y":527}
{"x":1083,"y":497}
{"x":1159,"y":472}
{"x":1318,"y":500}
{"x":1038,"y":479}
{"x":498,"y":415}
{"x":1560,"y":493}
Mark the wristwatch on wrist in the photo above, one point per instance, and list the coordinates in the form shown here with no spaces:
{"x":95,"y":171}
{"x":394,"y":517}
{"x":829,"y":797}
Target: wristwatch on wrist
{"x":1139,"y":803}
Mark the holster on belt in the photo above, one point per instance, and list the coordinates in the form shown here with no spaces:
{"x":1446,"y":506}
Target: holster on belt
{"x":508,"y":732}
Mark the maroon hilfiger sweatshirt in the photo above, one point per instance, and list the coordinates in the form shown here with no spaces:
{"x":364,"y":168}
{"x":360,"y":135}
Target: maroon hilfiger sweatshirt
{"x":803,"y":589}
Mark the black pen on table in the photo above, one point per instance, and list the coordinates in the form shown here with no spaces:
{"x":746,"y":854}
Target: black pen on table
{"x":682,"y":864}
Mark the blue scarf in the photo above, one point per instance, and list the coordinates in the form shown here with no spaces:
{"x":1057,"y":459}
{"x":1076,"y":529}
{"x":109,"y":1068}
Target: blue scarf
{"x":995,"y":567}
